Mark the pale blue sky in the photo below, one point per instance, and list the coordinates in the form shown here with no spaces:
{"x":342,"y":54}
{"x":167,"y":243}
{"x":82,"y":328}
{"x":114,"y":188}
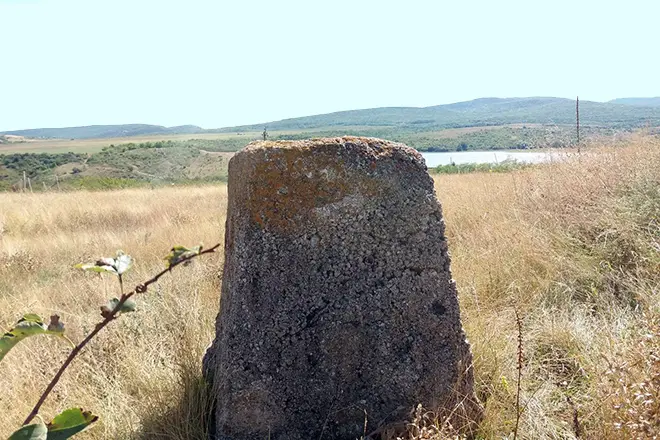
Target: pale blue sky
{"x":222,"y":63}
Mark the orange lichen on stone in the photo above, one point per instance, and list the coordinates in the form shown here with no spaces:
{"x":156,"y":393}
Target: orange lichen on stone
{"x":290,"y":179}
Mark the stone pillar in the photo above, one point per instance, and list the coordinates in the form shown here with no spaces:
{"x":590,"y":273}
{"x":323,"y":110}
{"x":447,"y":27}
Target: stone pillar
{"x":338,"y":312}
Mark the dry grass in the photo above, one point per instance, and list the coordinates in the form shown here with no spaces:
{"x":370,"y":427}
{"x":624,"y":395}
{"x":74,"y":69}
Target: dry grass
{"x":136,"y":373}
{"x":19,"y":144}
{"x":575,"y":247}
{"x":96,"y":144}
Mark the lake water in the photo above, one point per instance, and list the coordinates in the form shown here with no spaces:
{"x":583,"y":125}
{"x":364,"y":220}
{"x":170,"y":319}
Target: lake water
{"x":493,"y":156}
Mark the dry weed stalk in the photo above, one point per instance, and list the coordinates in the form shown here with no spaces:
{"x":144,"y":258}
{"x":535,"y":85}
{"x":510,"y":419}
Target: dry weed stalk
{"x":519,"y":365}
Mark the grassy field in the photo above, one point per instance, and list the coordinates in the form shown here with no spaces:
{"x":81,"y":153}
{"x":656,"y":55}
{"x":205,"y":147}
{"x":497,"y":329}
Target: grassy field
{"x":96,"y":145}
{"x":573,"y":247}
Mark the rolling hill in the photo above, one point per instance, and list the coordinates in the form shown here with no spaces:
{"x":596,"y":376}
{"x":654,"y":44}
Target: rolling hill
{"x":102,"y":131}
{"x":475,"y":113}
{"x":643,"y":102}
{"x":621,"y":113}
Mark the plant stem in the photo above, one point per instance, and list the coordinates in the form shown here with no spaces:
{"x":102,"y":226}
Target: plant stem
{"x":520,"y":361}
{"x":140,"y":288}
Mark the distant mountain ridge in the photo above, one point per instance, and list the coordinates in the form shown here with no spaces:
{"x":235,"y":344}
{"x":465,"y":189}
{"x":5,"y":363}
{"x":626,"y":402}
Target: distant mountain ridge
{"x":478,"y":112}
{"x":644,"y":102}
{"x":103,"y":131}
{"x":621,"y":113}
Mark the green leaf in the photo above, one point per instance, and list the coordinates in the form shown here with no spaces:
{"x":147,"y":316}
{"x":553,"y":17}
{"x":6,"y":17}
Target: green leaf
{"x":35,"y":431}
{"x":178,"y":253}
{"x":128,"y":306}
{"x":70,"y":422}
{"x":95,"y":267}
{"x":118,"y":265}
{"x":29,"y":325}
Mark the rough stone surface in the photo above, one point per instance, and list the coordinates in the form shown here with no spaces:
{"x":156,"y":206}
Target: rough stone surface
{"x":338,"y":307}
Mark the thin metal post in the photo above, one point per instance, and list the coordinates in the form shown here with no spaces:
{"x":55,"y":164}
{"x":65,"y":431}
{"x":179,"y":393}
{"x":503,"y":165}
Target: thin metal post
{"x":577,"y":121}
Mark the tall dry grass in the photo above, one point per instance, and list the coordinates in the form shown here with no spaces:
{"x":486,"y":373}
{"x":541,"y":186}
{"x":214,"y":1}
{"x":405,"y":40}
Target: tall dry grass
{"x":136,"y":373}
{"x":574,"y":246}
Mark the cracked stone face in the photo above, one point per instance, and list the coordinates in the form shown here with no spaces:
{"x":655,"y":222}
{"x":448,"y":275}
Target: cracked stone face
{"x":338,"y":312}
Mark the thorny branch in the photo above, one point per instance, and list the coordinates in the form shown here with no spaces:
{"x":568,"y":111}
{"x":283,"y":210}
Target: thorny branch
{"x":109,"y":317}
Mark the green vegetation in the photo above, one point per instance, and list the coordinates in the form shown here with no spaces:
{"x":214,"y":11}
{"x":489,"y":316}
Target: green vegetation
{"x":230,"y":144}
{"x":499,"y":138}
{"x":501,"y":167}
{"x":644,"y":102}
{"x":468,"y":138}
{"x":476,"y":113}
{"x":163,"y":162}
{"x":508,"y":138}
{"x":35,"y":167}
{"x":121,"y":166}
{"x":34,"y":164}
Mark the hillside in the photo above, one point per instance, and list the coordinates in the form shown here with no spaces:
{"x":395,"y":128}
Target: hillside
{"x":390,"y":122}
{"x":125,"y":165}
{"x":644,"y":102}
{"x":478,"y":112}
{"x":11,"y":139}
{"x":102,"y":131}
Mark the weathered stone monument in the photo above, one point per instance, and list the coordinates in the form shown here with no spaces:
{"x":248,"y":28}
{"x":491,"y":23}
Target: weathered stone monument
{"x":338,"y":312}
